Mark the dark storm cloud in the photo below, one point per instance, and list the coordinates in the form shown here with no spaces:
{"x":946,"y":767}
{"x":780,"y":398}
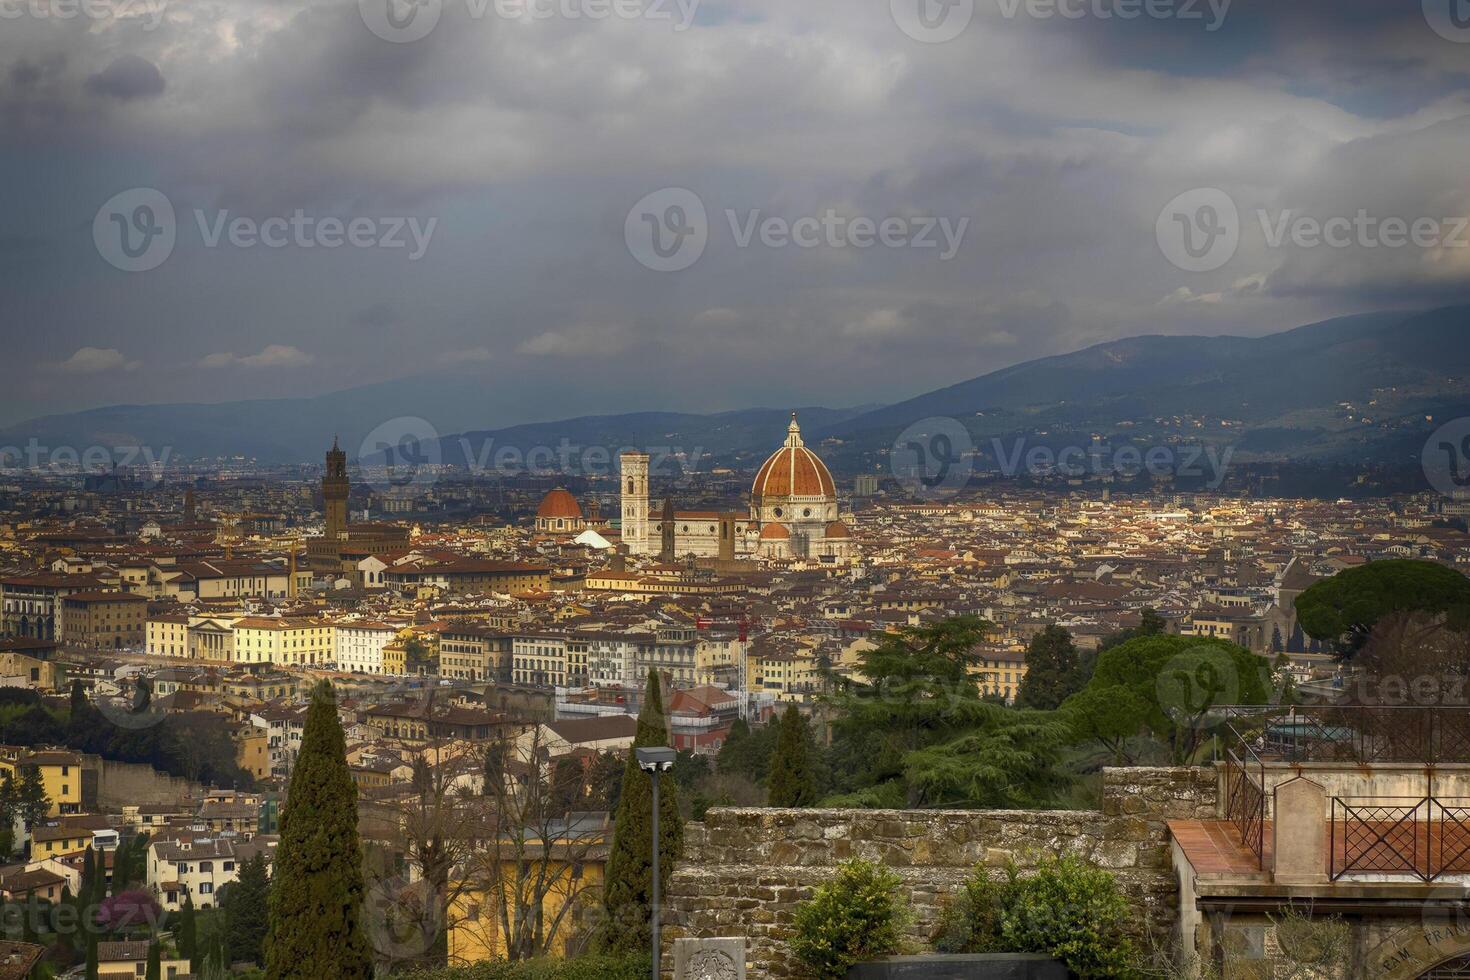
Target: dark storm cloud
{"x":128,"y":77}
{"x":1059,"y":140}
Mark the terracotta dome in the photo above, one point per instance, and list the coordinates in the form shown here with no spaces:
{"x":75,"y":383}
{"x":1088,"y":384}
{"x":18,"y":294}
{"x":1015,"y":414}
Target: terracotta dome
{"x":837,"y":529}
{"x":559,"y":503}
{"x":775,"y":532}
{"x":793,"y":471}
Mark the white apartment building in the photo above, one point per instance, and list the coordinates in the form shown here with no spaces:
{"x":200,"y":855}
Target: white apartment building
{"x":198,"y":868}
{"x":360,"y":645}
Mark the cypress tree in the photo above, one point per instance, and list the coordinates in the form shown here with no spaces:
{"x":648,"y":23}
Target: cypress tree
{"x":245,"y":912}
{"x":91,"y":954}
{"x":155,"y":962}
{"x":628,"y":892}
{"x":315,"y":905}
{"x":89,"y":876}
{"x":793,"y":780}
{"x":187,"y":936}
{"x":1053,"y":671}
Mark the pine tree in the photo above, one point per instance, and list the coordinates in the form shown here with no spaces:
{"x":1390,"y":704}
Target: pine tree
{"x":155,"y":962}
{"x":187,"y":935}
{"x":793,"y":779}
{"x":316,"y":902}
{"x":1052,"y":671}
{"x":628,"y":893}
{"x":246,"y":914}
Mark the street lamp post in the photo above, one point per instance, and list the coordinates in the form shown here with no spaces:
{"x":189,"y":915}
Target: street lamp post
{"x":654,"y":761}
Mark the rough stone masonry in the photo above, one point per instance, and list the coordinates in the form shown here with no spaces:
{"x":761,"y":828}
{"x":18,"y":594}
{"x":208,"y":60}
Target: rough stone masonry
{"x":745,"y":870}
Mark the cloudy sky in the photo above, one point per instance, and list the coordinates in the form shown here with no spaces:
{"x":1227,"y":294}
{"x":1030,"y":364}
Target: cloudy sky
{"x":478,"y":185}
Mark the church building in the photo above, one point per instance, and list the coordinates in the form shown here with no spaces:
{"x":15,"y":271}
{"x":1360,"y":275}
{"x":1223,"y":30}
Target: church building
{"x":792,"y":513}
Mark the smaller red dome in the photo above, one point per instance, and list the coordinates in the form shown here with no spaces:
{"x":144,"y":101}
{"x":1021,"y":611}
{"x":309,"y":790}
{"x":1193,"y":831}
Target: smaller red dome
{"x":837,"y":529}
{"x":559,"y":503}
{"x":775,"y":532}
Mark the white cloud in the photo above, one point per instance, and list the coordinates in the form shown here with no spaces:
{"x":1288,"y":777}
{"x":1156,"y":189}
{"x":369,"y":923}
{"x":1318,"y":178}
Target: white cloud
{"x":470,"y":355}
{"x":273,"y":356}
{"x":96,"y":360}
{"x":581,"y":340}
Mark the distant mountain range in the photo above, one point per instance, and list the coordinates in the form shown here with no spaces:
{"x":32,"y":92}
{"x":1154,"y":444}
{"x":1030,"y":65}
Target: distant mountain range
{"x":1368,"y":387}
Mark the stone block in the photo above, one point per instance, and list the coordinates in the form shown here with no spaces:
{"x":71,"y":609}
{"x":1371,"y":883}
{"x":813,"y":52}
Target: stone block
{"x":709,"y":959}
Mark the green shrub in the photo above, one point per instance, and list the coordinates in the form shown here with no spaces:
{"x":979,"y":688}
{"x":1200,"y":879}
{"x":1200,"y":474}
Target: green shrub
{"x":1068,"y":910}
{"x":971,"y":921}
{"x":633,"y":967}
{"x":855,"y":917}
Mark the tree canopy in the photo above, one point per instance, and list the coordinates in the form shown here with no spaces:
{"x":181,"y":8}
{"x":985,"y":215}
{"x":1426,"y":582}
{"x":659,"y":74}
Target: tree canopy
{"x":1053,"y":670}
{"x":916,"y":731}
{"x":1343,"y":609}
{"x":1168,"y":687}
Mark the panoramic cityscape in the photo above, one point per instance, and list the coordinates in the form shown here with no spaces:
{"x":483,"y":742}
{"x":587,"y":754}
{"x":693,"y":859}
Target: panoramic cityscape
{"x":723,"y":489}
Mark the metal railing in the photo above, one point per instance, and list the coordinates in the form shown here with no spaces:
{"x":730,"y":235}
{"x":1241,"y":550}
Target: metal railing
{"x":1245,"y":801}
{"x":1351,"y":734}
{"x":1424,"y":838}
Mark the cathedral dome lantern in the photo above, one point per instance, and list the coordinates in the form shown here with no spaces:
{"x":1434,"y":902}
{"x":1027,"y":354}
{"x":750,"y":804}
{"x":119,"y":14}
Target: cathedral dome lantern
{"x":793,"y":471}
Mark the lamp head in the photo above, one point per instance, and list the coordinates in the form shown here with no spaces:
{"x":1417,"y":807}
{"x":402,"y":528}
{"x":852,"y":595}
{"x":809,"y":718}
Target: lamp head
{"x":656,"y":759}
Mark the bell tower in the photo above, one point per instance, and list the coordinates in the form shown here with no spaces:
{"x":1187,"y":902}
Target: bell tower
{"x":634,"y":467}
{"x":335,"y":488}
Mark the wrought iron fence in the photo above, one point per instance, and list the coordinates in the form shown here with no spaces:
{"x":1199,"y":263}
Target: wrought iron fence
{"x":1355,"y":734}
{"x":1245,"y":802}
{"x":1425,"y":837}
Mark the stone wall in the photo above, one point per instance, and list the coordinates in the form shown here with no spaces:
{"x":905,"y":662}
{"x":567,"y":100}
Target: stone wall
{"x":122,"y":783}
{"x":745,"y":870}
